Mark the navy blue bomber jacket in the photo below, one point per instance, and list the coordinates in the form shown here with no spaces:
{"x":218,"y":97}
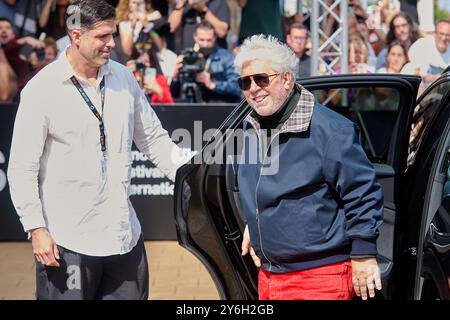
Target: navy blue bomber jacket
{"x":315,"y":201}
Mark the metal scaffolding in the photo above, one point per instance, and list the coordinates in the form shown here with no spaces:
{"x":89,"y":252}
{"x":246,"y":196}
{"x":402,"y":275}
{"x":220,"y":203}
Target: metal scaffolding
{"x":328,"y":50}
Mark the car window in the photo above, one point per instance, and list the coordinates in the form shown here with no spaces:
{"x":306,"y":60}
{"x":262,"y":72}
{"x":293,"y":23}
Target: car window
{"x":421,"y":118}
{"x":373,"y":109}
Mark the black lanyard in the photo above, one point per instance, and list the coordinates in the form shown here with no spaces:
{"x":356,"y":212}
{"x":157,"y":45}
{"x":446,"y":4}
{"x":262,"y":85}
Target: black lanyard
{"x":93,"y":109}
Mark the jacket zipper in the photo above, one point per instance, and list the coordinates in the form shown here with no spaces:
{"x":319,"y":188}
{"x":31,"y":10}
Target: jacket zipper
{"x":256,"y":199}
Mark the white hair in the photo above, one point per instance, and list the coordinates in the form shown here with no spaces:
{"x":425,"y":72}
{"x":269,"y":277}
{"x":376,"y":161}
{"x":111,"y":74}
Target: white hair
{"x":266,"y":48}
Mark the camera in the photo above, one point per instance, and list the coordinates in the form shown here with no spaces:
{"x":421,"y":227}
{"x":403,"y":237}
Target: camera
{"x":40,"y":54}
{"x":193,"y":63}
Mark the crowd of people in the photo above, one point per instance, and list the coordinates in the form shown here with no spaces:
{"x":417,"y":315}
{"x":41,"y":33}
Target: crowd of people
{"x":183,"y":50}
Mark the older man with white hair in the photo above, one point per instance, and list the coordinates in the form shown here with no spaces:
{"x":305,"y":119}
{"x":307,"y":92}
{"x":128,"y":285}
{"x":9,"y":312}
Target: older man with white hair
{"x":312,"y":225}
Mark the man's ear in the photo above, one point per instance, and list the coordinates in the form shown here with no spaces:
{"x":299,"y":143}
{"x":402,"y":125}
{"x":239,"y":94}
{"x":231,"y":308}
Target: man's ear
{"x":75,"y":35}
{"x":287,"y":80}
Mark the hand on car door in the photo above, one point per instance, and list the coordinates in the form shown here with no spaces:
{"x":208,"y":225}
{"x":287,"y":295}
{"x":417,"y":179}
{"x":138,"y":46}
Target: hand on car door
{"x":246,"y":247}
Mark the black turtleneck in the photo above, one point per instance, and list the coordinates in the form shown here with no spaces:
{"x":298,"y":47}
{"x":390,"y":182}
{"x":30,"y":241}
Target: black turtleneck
{"x":276,"y":120}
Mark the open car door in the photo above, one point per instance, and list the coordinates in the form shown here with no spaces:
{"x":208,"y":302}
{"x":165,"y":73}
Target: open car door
{"x":208,"y":216}
{"x":423,"y":261}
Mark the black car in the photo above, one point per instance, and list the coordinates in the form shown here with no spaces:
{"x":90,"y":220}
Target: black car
{"x":407,"y":141}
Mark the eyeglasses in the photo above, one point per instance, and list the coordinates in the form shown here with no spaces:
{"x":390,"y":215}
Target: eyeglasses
{"x":443,"y":35}
{"x":261,"y":79}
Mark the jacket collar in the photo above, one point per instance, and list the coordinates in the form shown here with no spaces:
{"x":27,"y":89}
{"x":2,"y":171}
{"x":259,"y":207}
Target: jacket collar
{"x":300,"y":118}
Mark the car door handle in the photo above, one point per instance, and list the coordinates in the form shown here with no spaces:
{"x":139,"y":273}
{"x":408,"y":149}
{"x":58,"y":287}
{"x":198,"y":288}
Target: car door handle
{"x":439,"y":240}
{"x":233,"y":236}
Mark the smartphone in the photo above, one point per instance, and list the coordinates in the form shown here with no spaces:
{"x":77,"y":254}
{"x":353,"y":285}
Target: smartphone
{"x":150,"y":73}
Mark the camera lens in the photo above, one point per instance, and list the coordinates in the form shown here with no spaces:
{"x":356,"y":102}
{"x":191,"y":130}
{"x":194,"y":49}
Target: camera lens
{"x":40,"y":53}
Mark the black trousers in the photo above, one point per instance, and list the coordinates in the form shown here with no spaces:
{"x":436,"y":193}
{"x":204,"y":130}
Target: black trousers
{"x":82,"y":277}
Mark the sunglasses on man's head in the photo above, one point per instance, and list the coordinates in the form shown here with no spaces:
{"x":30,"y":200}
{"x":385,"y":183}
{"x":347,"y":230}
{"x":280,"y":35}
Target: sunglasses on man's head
{"x":261,"y":79}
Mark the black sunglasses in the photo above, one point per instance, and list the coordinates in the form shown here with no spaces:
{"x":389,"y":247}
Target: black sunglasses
{"x":261,"y":79}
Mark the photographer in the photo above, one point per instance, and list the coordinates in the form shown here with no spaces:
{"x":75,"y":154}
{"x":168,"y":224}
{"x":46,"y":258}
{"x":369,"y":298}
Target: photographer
{"x":205,"y":73}
{"x":189,"y":13}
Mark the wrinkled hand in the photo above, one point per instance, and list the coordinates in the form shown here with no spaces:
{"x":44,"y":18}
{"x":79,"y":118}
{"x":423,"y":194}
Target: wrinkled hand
{"x":365,"y":276}
{"x":246,"y":247}
{"x":205,"y":78}
{"x":44,"y":247}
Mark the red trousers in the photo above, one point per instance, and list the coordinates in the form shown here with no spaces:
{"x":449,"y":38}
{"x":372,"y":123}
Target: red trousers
{"x":331,"y":282}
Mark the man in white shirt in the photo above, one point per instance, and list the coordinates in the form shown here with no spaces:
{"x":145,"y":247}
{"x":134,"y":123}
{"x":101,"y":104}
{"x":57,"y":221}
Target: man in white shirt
{"x":70,"y":163}
{"x":430,"y":56}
